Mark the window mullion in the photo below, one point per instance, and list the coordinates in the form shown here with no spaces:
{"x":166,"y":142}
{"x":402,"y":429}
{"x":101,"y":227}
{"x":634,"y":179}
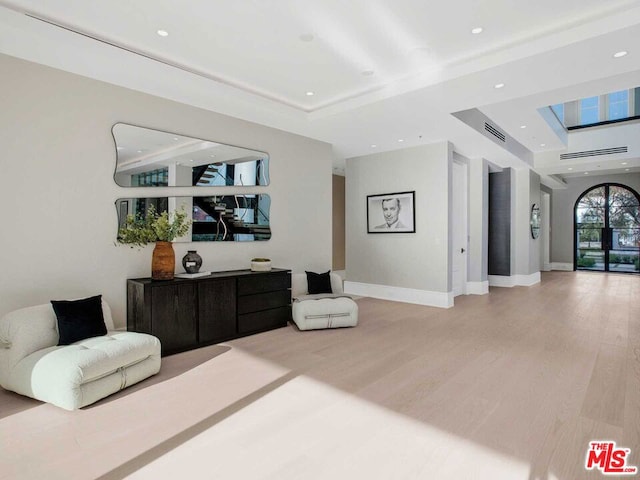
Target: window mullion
{"x":603,"y":108}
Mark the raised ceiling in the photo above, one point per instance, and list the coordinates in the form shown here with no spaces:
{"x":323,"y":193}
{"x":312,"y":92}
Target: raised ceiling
{"x":380,"y":71}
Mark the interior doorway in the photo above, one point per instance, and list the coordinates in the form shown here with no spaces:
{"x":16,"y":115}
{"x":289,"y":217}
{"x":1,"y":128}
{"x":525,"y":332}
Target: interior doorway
{"x":545,"y":232}
{"x":607,"y":229}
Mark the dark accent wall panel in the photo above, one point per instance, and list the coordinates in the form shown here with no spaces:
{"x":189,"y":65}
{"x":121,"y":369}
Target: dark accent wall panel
{"x":500,"y":223}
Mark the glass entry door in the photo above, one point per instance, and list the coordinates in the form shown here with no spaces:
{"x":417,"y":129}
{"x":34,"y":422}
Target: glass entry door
{"x":607,"y":229}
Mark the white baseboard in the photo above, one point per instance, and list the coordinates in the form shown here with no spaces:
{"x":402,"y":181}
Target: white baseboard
{"x":478,"y":288}
{"x":502,"y":281}
{"x":400,"y":294}
{"x":528,"y":280}
{"x":547,"y":267}
{"x":514,"y":280}
{"x":565,"y":267}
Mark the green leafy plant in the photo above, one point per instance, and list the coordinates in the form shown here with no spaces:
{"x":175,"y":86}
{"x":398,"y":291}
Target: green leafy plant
{"x":140,"y":230}
{"x":587,"y":262}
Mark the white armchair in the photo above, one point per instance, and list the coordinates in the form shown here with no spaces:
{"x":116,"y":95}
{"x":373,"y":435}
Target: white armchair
{"x":323,"y":310}
{"x":71,"y":376}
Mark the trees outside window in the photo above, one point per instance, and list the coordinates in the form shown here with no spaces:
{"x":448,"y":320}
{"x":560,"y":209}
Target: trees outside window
{"x":607,"y":229}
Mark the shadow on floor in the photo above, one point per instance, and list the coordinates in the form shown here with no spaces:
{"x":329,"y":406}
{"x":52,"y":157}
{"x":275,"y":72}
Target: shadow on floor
{"x":165,"y":447}
{"x":13,"y":403}
{"x":172,"y":366}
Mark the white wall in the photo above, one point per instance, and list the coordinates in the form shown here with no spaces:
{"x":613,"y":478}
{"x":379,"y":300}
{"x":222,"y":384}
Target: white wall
{"x":562,"y":204}
{"x":525,"y":250}
{"x":478,"y":219}
{"x":406,"y":266}
{"x":545,"y":231}
{"x":57,"y":191}
{"x":519,"y":201}
{"x":535,"y":244}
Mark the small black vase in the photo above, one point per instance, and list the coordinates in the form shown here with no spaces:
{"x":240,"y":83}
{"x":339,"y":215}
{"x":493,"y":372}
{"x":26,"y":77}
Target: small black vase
{"x":192,"y":262}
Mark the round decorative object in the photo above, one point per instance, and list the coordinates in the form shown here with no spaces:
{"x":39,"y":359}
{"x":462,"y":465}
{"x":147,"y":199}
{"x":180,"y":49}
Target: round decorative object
{"x":163,"y":261}
{"x":535,"y":221}
{"x":192,"y":262}
{"x":260,"y":264}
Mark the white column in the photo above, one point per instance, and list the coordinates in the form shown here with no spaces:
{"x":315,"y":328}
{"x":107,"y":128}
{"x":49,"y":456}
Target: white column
{"x":245,"y":173}
{"x":478,"y":220}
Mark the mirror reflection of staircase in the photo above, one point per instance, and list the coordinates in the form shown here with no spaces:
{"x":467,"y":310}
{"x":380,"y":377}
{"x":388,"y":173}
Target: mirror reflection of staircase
{"x":206,"y":175}
{"x":226,"y":223}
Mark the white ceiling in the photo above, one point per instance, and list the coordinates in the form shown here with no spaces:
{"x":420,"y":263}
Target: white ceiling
{"x":380,"y":70}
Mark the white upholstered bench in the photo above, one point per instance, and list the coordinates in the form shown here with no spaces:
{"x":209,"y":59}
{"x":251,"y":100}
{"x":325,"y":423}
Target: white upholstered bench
{"x":71,"y":376}
{"x":324,"y":310}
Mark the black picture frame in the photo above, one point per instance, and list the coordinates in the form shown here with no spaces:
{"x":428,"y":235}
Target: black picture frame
{"x":403,"y":222}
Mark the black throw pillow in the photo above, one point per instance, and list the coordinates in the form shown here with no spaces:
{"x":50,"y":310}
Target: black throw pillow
{"x":319,"y":282}
{"x":79,"y":319}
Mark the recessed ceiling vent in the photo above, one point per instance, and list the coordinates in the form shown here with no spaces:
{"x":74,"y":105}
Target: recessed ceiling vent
{"x":494,"y":131}
{"x":594,"y":153}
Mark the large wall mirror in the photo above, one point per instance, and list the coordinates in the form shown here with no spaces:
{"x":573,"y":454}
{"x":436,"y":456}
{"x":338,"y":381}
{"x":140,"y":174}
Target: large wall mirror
{"x":152,"y":158}
{"x":219,"y":218}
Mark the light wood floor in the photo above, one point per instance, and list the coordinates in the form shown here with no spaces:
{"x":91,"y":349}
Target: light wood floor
{"x":509,"y":385}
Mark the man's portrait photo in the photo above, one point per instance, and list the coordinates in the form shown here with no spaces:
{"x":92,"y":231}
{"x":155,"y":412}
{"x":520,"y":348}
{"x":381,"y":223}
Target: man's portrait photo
{"x":391,"y":213}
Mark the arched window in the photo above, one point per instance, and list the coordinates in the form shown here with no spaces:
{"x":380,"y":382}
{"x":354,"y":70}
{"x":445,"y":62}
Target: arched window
{"x":607,"y":229}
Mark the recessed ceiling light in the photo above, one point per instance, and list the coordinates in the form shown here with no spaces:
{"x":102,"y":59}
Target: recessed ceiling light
{"x":212,"y":155}
{"x":163,"y":33}
{"x":140,"y":151}
{"x":620,"y":54}
{"x":191,"y":160}
{"x":586,"y":173}
{"x":310,"y":94}
{"x":626,"y":169}
{"x":177,"y":163}
{"x":570,"y":168}
{"x":624,"y":163}
{"x":476,"y":30}
{"x":523,"y":126}
{"x":543,"y":144}
{"x":175,"y":138}
{"x":498,"y":85}
{"x":401,"y":140}
{"x":374,"y":146}
{"x":119,"y":148}
{"x":306,"y":37}
{"x":367,"y":73}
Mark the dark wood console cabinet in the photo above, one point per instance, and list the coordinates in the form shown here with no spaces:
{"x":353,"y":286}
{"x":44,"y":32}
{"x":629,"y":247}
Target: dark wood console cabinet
{"x":191,"y":313}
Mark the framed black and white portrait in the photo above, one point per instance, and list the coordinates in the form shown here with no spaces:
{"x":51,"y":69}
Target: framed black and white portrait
{"x":391,"y":213}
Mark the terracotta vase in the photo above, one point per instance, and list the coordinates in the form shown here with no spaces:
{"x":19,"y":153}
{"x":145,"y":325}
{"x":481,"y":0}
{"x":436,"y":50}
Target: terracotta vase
{"x":163,"y":261}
